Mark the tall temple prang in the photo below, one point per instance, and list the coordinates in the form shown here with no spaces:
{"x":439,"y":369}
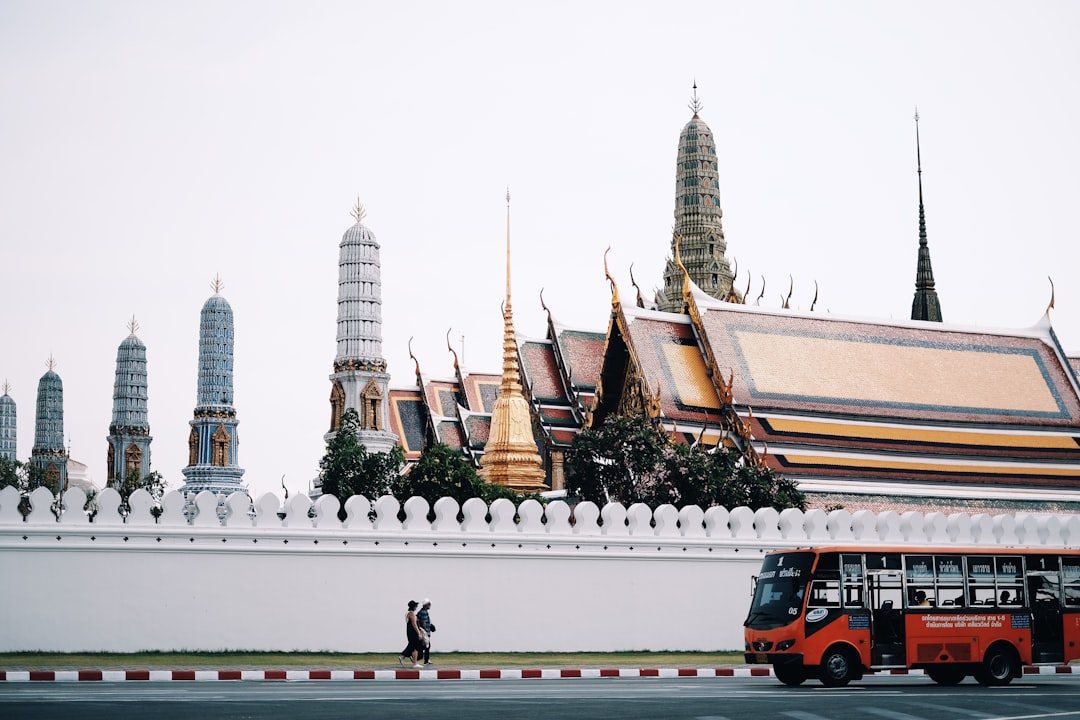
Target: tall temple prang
{"x":360,"y":380}
{"x":511,"y":456}
{"x":49,"y":453}
{"x":129,"y":432}
{"x":697,"y":218}
{"x":213,"y":441}
{"x":925,"y":305}
{"x":8,"y":449}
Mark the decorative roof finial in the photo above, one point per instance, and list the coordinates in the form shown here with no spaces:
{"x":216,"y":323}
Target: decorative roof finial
{"x":1051,"y":305}
{"x":133,"y":326}
{"x":218,"y":285}
{"x":507,"y":309}
{"x":358,"y":211}
{"x":695,"y":103}
{"x":7,"y":386}
{"x":50,"y":363}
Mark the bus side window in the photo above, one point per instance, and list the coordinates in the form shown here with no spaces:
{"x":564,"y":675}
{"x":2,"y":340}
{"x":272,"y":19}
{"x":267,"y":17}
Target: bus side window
{"x":824,"y":593}
{"x":1070,"y":575}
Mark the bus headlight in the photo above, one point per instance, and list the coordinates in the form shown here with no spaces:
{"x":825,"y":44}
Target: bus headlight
{"x":784,"y":644}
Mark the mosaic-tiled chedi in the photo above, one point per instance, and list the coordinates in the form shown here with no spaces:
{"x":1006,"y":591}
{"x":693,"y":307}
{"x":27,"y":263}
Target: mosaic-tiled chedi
{"x":697,"y":219}
{"x":360,"y":379}
{"x":129,"y":432}
{"x":213,"y":442}
{"x":49,"y":452}
{"x":8,"y":449}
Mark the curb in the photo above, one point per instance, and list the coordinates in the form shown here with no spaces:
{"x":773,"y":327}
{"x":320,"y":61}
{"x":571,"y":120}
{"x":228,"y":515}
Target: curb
{"x":441,"y":674}
{"x":14,"y":676}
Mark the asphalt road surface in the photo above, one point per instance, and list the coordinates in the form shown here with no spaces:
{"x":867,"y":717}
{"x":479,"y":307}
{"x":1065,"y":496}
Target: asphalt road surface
{"x":885,"y":698}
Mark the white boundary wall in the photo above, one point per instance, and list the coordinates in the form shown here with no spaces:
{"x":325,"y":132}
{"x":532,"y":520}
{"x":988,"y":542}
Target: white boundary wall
{"x":269,"y":577}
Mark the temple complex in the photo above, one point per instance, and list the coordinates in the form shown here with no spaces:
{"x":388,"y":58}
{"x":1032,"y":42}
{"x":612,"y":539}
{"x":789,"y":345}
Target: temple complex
{"x":862,"y":413}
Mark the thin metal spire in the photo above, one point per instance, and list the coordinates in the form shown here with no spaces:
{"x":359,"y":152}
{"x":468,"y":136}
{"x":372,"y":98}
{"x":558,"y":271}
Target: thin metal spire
{"x":926,"y":305}
{"x":508,"y":312}
{"x":358,"y":211}
{"x":695,"y":104}
{"x":918,"y":161}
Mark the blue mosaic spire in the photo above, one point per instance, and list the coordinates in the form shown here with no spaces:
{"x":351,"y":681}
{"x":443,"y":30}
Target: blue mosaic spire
{"x":8,"y":448}
{"x":213,"y":441}
{"x":129,"y":432}
{"x":49,"y":452}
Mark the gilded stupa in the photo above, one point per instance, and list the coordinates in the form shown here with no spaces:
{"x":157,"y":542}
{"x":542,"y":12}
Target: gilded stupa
{"x":511,"y":457}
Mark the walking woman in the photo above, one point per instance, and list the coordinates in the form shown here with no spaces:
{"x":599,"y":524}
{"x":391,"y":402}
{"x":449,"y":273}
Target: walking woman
{"x":414,"y":635}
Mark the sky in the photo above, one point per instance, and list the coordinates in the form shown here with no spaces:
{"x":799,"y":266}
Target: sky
{"x":146,"y":147}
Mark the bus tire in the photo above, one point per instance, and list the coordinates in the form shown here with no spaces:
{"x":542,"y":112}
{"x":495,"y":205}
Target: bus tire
{"x":947,"y":674}
{"x":839,"y":666}
{"x":790,"y":673}
{"x":999,"y":666}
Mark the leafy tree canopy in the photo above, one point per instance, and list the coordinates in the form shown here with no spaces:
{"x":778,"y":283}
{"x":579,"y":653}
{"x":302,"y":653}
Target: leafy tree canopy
{"x":442,"y":471}
{"x":627,"y":460}
{"x":349,"y":469}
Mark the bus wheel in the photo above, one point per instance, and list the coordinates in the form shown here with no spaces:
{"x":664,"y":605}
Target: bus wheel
{"x":999,"y":666}
{"x":790,"y":673}
{"x":946,"y":674}
{"x":839,"y":666}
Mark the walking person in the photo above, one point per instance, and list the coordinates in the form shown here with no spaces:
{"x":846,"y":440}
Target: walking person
{"x":415,"y":637}
{"x":424,"y":620}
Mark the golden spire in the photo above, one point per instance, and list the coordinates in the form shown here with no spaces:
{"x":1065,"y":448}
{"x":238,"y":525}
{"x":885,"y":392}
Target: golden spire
{"x":358,"y":211}
{"x":510,"y":455}
{"x":7,"y":386}
{"x":133,"y":326}
{"x":50,"y":363}
{"x":1051,"y":305}
{"x":218,"y":285}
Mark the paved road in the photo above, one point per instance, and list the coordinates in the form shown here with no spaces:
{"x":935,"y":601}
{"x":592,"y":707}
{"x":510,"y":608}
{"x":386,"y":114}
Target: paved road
{"x":886,"y":698}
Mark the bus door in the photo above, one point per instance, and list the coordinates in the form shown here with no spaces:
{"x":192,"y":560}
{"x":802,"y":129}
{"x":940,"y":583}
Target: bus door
{"x":885,"y":595}
{"x":1043,"y":581}
{"x":1070,"y":599}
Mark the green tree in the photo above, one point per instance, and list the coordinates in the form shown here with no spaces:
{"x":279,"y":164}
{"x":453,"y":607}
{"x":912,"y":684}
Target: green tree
{"x":441,"y":471}
{"x":627,"y":460}
{"x":9,"y":472}
{"x":348,"y":468}
{"x":153,"y":483}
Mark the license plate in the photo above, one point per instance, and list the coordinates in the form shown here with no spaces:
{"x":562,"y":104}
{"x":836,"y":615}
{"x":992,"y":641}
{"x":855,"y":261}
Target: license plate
{"x":761,"y":658}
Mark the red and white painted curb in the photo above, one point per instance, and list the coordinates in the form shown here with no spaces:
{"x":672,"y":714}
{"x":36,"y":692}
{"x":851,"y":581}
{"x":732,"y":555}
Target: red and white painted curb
{"x":426,"y":674}
{"x":410,"y":674}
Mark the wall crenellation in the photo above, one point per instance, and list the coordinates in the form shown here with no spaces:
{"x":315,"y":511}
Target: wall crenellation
{"x":766,"y":526}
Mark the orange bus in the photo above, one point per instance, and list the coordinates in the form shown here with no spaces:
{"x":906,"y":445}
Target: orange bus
{"x":833,"y":613}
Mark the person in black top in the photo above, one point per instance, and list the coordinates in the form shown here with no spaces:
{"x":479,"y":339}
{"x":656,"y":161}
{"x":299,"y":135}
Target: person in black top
{"x":423,"y":619}
{"x":414,"y":635}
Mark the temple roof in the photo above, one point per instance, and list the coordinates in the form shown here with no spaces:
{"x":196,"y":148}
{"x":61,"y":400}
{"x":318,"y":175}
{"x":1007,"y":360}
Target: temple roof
{"x":828,"y":365}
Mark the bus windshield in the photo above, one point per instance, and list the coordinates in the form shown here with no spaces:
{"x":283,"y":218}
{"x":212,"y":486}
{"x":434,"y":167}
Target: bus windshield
{"x":778,"y":595}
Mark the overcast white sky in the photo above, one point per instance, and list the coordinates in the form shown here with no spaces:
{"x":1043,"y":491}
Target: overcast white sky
{"x":146,"y":146}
